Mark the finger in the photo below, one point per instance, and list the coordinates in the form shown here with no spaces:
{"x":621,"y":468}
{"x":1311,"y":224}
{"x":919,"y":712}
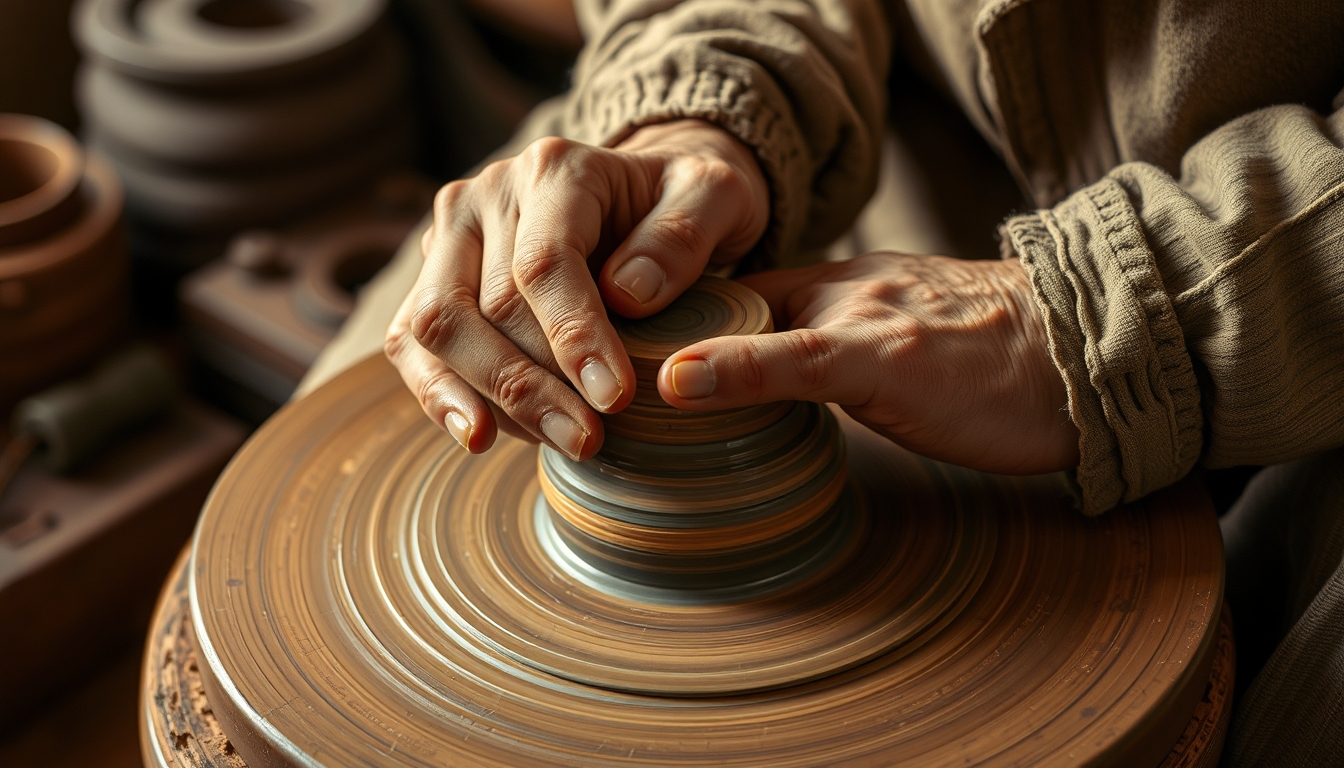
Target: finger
{"x":821,"y":365}
{"x":510,"y":427}
{"x":700,"y":215}
{"x":559,"y":224}
{"x":501,"y":303}
{"x":780,"y":286}
{"x":447,"y":400}
{"x":447,"y":322}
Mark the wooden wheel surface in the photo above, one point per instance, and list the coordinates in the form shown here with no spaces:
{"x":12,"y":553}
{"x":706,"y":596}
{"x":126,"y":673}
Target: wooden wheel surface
{"x":363,"y":591}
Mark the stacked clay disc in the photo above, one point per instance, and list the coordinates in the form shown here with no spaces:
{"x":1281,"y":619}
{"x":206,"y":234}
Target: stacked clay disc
{"x":721,"y":502}
{"x":62,"y":256}
{"x":223,"y":114}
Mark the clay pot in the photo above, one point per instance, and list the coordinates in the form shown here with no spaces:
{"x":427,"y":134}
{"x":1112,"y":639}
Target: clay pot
{"x":62,"y":256}
{"x":227,"y":114}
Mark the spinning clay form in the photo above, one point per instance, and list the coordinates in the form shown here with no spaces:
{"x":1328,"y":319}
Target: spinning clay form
{"x":774,"y":585}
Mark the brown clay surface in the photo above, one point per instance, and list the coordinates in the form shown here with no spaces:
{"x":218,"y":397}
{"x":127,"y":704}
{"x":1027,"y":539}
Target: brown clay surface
{"x":363,"y":591}
{"x":178,"y":727}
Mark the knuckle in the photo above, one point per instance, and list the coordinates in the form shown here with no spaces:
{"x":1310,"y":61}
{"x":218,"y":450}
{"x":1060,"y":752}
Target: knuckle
{"x":394,"y":343}
{"x":547,"y":152}
{"x":680,"y":231}
{"x":534,"y":263}
{"x":569,"y":332}
{"x":448,"y":198}
{"x":499,"y":307}
{"x":431,"y":392}
{"x":435,"y":317}
{"x":724,"y":177}
{"x":494,"y":173}
{"x":512,"y":385}
{"x":813,"y":354}
{"x":426,"y":240}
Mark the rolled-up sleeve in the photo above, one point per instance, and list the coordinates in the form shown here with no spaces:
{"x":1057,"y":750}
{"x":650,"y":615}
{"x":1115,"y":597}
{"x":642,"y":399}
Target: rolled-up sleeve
{"x":1200,"y":316}
{"x":799,"y":81}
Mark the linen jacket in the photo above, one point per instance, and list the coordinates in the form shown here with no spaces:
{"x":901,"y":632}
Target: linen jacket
{"x":1188,"y":251}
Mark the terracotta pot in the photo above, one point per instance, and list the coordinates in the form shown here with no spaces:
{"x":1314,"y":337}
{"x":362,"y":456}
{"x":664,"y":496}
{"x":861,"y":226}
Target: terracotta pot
{"x":62,"y":256}
{"x":243,"y":130}
{"x":222,"y":42}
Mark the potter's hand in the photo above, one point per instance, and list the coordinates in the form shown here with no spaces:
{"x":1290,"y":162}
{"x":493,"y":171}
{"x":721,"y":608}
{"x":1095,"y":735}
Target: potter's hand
{"x":506,"y":309}
{"x":946,"y":357}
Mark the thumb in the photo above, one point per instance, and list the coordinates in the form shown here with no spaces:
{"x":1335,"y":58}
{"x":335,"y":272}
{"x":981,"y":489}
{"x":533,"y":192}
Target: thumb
{"x":821,"y":365}
{"x":707,"y":211}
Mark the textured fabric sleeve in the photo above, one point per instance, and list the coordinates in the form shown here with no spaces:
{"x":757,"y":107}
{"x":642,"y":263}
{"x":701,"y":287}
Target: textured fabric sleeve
{"x":799,"y":81}
{"x":1199,"y":316}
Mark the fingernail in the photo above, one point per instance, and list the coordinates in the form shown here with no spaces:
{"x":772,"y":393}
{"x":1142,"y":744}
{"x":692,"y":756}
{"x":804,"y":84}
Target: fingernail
{"x":458,"y":427}
{"x":601,"y":386}
{"x":692,"y":379}
{"x":641,"y":277}
{"x":564,"y":433}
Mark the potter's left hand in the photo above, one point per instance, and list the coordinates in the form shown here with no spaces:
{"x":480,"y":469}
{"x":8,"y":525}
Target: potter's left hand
{"x":948,"y":358}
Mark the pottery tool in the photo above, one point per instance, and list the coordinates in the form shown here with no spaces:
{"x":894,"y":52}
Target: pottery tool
{"x":71,"y":422}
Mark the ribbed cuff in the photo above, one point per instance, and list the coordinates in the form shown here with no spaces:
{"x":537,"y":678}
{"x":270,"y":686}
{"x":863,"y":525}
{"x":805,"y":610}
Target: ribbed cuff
{"x":1114,"y":337}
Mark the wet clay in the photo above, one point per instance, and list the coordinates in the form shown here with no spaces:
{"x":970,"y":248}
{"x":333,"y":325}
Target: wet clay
{"x":178,"y":727}
{"x":771,"y":586}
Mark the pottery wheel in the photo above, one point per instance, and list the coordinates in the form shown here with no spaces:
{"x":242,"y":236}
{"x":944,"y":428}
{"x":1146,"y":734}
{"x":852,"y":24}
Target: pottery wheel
{"x":773,"y":586}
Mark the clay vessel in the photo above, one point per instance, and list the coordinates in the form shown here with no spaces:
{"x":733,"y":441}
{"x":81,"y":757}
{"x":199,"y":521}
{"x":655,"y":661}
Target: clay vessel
{"x":63,"y":281}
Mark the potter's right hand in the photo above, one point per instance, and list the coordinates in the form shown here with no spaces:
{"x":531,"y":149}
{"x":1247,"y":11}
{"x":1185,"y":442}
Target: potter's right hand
{"x":507,"y":311}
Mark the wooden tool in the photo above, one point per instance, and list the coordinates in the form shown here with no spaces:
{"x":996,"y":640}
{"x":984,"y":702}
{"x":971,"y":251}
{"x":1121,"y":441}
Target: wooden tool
{"x":69,"y":423}
{"x":364,"y":591}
